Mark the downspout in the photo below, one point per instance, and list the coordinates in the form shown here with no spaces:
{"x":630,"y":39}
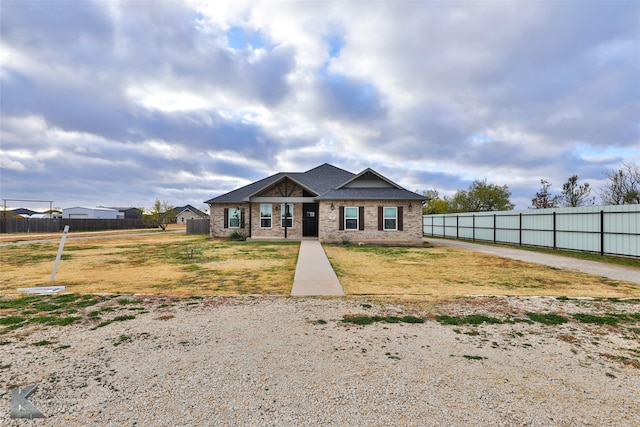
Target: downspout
{"x":250,"y":208}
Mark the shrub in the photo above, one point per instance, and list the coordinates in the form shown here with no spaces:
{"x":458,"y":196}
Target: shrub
{"x":237,"y":236}
{"x":547,"y":318}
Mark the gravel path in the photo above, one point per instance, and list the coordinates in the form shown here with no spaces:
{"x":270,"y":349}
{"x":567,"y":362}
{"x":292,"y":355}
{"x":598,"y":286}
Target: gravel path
{"x":611,"y":271}
{"x":283,"y":361}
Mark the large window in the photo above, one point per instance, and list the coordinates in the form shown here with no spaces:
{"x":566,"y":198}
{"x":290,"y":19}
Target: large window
{"x":351,"y":218}
{"x":391,"y":218}
{"x":265,"y":215}
{"x":288,"y":215}
{"x":234,"y":217}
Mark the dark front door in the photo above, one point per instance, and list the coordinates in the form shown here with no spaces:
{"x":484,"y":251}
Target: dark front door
{"x":310,"y":220}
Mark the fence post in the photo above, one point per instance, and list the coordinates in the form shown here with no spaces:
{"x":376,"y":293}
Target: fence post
{"x":473,"y":226}
{"x":444,"y":226}
{"x":601,"y":233}
{"x":457,"y":226}
{"x":494,"y":228}
{"x":555,"y":246}
{"x":520,"y":231}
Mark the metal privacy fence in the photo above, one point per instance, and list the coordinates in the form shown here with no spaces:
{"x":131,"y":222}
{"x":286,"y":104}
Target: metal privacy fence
{"x":613,"y":230}
{"x":198,"y":226}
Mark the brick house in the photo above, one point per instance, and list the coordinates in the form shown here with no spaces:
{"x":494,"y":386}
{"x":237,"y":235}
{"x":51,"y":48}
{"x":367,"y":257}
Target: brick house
{"x":185,"y":213}
{"x":325,"y":202}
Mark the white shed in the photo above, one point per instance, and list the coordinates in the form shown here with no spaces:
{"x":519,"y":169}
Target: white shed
{"x":92,"y":213}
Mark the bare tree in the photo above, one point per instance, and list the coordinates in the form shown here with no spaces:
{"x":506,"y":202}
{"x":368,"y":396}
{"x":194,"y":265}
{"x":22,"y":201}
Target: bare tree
{"x":574,"y":195}
{"x":162,"y":214}
{"x":544,"y":199}
{"x":623,"y":185}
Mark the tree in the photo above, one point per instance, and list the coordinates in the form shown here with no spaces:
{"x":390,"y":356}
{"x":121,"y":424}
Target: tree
{"x":574,"y":195}
{"x":623,"y":185}
{"x":435,"y":204}
{"x":161,"y":214}
{"x":481,"y":197}
{"x":544,"y":199}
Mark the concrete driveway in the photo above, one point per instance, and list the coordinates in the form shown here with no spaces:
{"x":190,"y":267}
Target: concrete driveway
{"x":610,"y":271}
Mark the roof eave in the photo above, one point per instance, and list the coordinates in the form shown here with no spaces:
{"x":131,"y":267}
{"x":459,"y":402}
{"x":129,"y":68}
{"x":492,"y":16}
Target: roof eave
{"x":284,"y":176}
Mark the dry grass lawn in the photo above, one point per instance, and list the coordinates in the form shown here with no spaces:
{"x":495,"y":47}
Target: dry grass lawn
{"x":440,"y":273}
{"x":163,"y":263}
{"x":177,"y":264}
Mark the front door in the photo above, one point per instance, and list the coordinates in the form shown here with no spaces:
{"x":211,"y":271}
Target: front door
{"x":310,"y":220}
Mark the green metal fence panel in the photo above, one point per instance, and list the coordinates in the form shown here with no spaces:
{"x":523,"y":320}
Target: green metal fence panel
{"x":611,"y":230}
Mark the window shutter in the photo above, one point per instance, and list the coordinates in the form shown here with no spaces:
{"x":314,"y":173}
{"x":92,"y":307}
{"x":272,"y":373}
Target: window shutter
{"x":341,"y":218}
{"x":400,"y":218}
{"x":242,"y":218}
{"x":226,"y":217}
{"x":361,"y":218}
{"x":380,"y":218}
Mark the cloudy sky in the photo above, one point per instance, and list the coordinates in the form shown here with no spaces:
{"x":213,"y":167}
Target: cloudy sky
{"x":120,"y":103}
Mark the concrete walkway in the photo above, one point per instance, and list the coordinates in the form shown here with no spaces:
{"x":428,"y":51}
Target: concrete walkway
{"x":314,"y":274}
{"x":602,"y":269}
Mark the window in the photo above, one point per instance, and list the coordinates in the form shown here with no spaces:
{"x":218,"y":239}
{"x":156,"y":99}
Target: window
{"x":234,"y":217}
{"x":391,"y":218}
{"x":289,"y":215}
{"x":265,"y":216}
{"x":350,"y":218}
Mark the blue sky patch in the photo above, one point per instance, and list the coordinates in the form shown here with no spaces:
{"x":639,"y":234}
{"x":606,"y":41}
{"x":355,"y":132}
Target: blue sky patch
{"x":239,"y":38}
{"x":336,"y":43}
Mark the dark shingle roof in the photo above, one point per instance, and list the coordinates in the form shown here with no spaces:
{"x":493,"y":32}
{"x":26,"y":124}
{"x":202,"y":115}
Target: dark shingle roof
{"x":389,"y":193}
{"x":196,"y":211}
{"x":238,"y":195}
{"x":326,"y":181}
{"x":324,"y":178}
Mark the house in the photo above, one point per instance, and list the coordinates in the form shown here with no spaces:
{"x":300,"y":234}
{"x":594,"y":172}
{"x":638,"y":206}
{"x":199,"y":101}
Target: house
{"x":185,"y":213}
{"x":325,"y":202}
{"x":91,"y":213}
{"x":47,"y":215}
{"x":19,"y":213}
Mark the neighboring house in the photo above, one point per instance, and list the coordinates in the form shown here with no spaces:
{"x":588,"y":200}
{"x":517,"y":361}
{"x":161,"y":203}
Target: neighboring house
{"x":129,"y":213}
{"x":326,"y":202}
{"x":91,"y":213}
{"x":20,"y":213}
{"x":185,"y":213}
{"x":47,"y":215}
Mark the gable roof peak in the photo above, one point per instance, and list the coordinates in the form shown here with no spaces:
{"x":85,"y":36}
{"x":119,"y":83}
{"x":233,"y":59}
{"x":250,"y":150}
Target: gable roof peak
{"x":369,"y":171}
{"x":326,"y":166}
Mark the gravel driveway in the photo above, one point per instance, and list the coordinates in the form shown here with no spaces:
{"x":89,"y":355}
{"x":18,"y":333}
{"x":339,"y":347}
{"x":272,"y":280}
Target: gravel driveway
{"x":283,"y":361}
{"x":611,"y":271}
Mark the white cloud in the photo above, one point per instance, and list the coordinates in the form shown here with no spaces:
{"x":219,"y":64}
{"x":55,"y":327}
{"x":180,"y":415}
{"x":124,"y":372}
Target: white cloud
{"x":443,"y":92}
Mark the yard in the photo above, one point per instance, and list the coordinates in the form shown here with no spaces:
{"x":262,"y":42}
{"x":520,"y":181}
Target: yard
{"x":439,"y":273}
{"x":402,"y":337}
{"x":162,"y":263}
{"x":177,"y":264}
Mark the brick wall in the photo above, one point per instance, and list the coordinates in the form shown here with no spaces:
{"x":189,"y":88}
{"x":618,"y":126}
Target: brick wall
{"x":328,"y":228}
{"x":217,"y":220}
{"x":276,"y":230}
